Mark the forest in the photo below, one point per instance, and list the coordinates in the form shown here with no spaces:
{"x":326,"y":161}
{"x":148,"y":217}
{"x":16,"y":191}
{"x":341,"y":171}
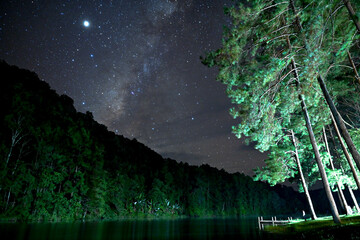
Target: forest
{"x":290,"y":68}
{"x":61,"y":165}
{"x":291,"y":72}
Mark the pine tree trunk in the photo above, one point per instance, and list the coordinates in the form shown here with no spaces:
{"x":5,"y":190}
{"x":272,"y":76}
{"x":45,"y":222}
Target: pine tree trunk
{"x":334,"y":211}
{"x":338,"y":184}
{"x":352,"y":14}
{"x":354,"y":199}
{"x":325,"y":181}
{"x":347,"y":155}
{"x":343,"y":130}
{"x":342,"y":198}
{"x":306,"y":191}
{"x":353,"y":66}
{"x":341,"y":202}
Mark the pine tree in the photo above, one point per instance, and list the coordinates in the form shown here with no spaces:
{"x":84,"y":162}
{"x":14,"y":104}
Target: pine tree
{"x":352,"y":14}
{"x":257,"y":58}
{"x":339,"y":184}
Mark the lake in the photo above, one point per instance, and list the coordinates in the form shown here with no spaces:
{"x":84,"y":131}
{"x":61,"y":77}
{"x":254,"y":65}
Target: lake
{"x":187,"y":228}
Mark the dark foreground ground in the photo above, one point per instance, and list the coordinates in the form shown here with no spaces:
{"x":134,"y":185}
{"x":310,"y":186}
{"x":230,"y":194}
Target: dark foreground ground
{"x":323,"y":228}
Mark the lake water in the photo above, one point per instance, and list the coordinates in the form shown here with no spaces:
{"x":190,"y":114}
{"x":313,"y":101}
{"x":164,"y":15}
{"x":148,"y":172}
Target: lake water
{"x":189,"y":228}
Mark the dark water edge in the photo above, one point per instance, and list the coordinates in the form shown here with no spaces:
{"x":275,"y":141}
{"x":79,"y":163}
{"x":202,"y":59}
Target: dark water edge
{"x":188,"y":228}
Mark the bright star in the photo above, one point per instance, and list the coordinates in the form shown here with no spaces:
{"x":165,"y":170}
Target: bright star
{"x":86,"y":23}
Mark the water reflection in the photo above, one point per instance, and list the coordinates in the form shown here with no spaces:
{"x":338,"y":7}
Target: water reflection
{"x":211,"y":228}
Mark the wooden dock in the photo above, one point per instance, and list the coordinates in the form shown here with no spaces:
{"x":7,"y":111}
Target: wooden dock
{"x":273,"y":222}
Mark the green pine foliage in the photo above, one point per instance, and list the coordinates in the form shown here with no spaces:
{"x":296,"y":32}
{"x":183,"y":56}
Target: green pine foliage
{"x":254,"y":63}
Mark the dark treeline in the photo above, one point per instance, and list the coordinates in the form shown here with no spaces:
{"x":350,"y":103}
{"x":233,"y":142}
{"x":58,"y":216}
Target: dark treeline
{"x":59,"y":164}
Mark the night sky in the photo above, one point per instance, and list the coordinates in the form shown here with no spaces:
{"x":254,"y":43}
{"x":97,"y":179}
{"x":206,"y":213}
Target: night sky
{"x":135,"y":65}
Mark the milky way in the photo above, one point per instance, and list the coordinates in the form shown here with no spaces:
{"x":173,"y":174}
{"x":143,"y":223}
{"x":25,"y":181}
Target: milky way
{"x":135,"y":65}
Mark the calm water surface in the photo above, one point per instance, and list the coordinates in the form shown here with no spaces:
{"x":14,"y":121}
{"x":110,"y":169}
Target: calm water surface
{"x":210,"y":228}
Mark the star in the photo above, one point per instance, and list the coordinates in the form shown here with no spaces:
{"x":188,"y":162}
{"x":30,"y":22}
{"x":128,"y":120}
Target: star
{"x":86,"y":23}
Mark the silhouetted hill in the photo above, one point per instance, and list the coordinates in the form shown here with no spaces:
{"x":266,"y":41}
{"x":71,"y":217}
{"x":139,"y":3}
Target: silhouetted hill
{"x":60,"y":164}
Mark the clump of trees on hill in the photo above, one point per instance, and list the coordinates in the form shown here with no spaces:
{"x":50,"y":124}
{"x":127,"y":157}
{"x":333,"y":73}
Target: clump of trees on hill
{"x":290,"y":67}
{"x":61,"y":165}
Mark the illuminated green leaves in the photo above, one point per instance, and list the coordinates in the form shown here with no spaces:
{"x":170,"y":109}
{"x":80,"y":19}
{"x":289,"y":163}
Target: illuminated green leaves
{"x":254,"y":64}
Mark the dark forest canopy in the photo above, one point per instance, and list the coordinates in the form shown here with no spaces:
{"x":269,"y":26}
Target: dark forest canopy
{"x":60,"y":165}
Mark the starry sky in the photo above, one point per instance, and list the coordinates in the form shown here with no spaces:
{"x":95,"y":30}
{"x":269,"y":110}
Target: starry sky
{"x":135,"y":65}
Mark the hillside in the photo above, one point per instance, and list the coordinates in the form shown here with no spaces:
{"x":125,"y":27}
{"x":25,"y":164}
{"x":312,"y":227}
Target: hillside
{"x":60,"y":164}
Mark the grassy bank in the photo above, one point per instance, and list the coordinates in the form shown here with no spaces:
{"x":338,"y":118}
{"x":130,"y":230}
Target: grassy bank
{"x":322,"y":228}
